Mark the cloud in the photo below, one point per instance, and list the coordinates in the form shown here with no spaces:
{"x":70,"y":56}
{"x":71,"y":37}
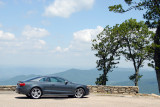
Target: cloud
{"x":81,"y":41}
{"x":59,"y":49}
{"x":6,"y":36}
{"x":29,"y":41}
{"x":39,"y":44}
{"x":87,"y":34}
{"x":1,"y":3}
{"x":33,"y":32}
{"x":64,"y":8}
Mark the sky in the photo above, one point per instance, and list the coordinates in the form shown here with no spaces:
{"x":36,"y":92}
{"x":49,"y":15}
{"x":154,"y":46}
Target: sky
{"x":55,"y":33}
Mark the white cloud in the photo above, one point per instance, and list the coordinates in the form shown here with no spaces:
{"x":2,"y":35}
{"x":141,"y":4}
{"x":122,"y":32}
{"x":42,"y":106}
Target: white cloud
{"x":1,"y":3}
{"x":39,"y":44}
{"x":6,"y":36}
{"x":87,"y":34}
{"x":29,"y":42}
{"x":33,"y":32}
{"x":59,"y":49}
{"x":64,"y":8}
{"x":81,"y":41}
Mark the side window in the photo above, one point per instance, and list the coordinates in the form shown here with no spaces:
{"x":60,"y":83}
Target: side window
{"x":61,"y":80}
{"x":52,"y":79}
{"x":42,"y":80}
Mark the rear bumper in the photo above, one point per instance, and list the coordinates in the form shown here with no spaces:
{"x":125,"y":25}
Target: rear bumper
{"x":21,"y":90}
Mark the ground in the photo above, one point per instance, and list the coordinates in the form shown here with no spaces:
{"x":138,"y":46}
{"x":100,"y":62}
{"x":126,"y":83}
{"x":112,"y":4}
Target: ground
{"x":12,"y":99}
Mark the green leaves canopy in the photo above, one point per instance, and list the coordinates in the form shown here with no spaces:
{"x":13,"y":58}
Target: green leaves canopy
{"x":137,"y":41}
{"x":106,"y":44}
{"x":131,"y":39}
{"x":152,"y":8}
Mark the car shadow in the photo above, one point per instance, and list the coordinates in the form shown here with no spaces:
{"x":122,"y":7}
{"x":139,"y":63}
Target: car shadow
{"x":50,"y":97}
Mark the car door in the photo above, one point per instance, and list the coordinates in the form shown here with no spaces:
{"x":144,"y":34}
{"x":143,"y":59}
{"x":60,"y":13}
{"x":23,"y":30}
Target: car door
{"x":45,"y":85}
{"x":58,"y":86}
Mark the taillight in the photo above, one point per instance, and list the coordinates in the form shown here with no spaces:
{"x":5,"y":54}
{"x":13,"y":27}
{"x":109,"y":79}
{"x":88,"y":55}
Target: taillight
{"x":21,"y":84}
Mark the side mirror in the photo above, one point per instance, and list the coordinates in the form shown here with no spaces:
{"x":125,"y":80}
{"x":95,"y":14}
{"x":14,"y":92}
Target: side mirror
{"x":66,"y":82}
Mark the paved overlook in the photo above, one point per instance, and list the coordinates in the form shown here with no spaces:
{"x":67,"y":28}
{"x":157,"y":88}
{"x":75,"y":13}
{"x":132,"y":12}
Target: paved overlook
{"x":11,"y":99}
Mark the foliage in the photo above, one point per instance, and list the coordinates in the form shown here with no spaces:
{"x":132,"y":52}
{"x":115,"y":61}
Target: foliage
{"x":152,"y":10}
{"x":99,"y":81}
{"x":136,"y":43}
{"x":152,"y":16}
{"x":134,"y":76}
{"x":106,"y":44}
{"x":131,"y":39}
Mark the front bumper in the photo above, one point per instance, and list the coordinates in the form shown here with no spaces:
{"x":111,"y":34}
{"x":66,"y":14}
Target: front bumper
{"x":87,"y":91}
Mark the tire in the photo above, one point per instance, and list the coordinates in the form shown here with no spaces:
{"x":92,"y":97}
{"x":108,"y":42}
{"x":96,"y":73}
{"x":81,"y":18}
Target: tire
{"x":35,"y":93}
{"x":79,"y":93}
{"x":28,"y":95}
{"x":71,"y":96}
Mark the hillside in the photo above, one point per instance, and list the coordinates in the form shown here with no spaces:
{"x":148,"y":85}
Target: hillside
{"x":11,"y":72}
{"x":14,"y":80}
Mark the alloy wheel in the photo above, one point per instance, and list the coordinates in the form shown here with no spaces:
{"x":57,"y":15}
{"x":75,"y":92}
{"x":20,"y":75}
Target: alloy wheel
{"x":79,"y":93}
{"x":36,"y":93}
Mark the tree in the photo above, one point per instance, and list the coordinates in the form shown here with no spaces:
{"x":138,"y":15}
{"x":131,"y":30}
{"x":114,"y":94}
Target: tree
{"x":136,"y":42}
{"x":152,"y":16}
{"x":106,"y":44}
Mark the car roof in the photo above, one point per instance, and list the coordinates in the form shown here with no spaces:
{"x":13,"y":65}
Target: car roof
{"x":50,"y":76}
{"x":43,"y":77}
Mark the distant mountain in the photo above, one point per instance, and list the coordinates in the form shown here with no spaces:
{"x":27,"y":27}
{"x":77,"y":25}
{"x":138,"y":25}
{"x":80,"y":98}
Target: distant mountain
{"x":119,"y":76}
{"x":89,"y":76}
{"x":10,"y":72}
{"x":80,"y":76}
{"x":14,"y":80}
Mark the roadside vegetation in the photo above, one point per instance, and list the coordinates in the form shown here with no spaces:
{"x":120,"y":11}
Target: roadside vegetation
{"x":131,"y":39}
{"x":135,"y":41}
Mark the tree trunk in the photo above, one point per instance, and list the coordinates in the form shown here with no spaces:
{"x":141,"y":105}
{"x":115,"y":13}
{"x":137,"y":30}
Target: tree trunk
{"x":157,"y":55}
{"x":136,"y":79}
{"x":104,"y":78}
{"x":158,"y":78}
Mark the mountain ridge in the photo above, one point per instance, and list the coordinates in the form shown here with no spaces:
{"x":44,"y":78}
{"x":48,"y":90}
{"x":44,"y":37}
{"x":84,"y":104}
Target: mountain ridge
{"x":120,"y":76}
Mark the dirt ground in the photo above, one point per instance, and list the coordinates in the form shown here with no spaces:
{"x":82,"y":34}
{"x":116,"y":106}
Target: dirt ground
{"x":12,"y":99}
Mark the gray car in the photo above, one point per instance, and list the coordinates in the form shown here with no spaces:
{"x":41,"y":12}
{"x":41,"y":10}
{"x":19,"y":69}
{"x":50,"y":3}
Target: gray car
{"x":46,"y":85}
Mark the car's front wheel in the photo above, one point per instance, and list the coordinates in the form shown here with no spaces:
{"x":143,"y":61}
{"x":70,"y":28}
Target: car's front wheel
{"x":79,"y":93}
{"x":36,"y":93}
{"x":28,"y":95}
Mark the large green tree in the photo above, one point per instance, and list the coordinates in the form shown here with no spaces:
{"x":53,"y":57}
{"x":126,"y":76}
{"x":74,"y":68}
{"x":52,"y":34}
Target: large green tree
{"x":106,"y":44}
{"x":136,"y":39}
{"x":152,"y":17}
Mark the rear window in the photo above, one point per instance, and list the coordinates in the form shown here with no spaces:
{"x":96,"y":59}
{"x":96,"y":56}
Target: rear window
{"x":35,"y":79}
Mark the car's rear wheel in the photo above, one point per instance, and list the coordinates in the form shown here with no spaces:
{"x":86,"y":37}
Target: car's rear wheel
{"x":36,"y":93}
{"x":79,"y":93}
